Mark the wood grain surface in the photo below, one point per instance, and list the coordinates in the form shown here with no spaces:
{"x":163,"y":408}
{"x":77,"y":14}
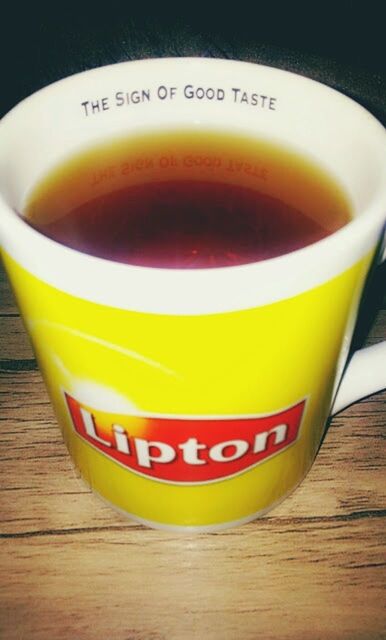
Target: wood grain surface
{"x":72,"y":568}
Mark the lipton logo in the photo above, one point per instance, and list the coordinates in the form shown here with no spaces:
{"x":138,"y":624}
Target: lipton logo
{"x":186,"y":450}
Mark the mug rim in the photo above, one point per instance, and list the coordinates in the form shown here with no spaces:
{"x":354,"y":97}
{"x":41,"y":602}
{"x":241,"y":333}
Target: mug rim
{"x":191,"y":291}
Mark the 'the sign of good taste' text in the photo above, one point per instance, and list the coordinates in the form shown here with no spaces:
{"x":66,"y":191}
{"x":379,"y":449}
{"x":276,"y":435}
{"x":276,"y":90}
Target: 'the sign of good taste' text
{"x":162,"y":93}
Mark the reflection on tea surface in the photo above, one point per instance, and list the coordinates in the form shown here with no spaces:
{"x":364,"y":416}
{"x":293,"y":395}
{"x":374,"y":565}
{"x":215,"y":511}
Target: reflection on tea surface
{"x":187,"y":199}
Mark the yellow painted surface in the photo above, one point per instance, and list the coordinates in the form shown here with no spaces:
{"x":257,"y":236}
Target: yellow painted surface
{"x":248,"y":362}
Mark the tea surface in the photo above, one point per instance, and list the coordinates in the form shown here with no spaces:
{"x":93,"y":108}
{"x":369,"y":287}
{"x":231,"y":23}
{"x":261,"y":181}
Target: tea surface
{"x":187,"y":199}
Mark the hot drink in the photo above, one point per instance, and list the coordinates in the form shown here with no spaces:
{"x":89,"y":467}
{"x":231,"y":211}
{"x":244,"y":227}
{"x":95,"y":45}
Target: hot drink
{"x":187,"y":199}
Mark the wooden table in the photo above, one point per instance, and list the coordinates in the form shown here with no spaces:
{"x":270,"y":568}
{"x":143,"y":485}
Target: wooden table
{"x":71,"y":568}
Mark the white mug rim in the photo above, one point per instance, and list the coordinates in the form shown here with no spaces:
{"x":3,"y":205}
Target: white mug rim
{"x":198,"y":291}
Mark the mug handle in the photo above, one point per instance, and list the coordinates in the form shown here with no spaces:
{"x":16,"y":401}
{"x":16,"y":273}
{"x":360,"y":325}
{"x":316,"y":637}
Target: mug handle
{"x":366,"y":372}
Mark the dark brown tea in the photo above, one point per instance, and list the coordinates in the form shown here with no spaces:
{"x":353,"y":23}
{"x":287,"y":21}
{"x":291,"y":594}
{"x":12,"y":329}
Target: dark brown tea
{"x":187,"y":199}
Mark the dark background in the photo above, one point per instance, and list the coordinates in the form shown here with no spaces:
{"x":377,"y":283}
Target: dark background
{"x":341,"y":44}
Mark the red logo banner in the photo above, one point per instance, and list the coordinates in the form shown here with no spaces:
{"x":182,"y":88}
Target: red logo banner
{"x":188,"y":450}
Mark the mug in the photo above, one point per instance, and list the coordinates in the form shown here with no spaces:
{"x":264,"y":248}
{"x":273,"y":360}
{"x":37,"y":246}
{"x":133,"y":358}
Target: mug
{"x":195,"y":399}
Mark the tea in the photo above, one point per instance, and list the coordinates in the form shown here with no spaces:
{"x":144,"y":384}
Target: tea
{"x":187,"y":199}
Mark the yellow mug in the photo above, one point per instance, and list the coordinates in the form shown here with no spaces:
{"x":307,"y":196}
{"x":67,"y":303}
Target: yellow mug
{"x":195,"y":399}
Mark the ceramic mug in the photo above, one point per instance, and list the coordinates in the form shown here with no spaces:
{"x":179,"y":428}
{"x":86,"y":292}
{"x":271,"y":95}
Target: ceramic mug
{"x":195,"y":399}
